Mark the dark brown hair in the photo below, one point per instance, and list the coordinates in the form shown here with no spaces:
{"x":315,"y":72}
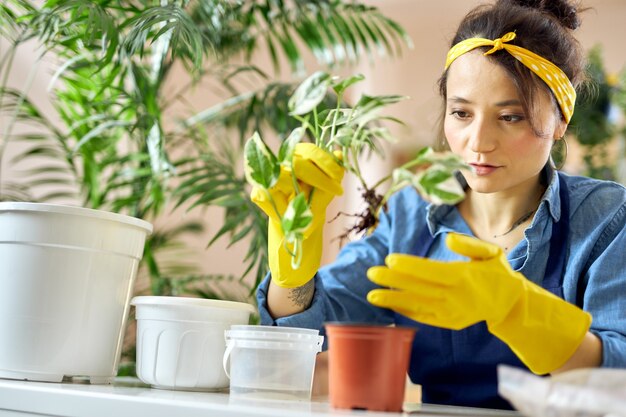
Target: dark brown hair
{"x":543,"y":27}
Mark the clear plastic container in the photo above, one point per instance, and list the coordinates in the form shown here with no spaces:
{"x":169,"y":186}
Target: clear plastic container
{"x":271,"y":362}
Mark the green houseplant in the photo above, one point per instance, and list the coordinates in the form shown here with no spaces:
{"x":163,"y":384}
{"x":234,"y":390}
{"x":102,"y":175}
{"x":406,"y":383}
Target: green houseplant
{"x":114,"y":149}
{"x":351,"y":129}
{"x":592,"y":124}
{"x":119,"y":147}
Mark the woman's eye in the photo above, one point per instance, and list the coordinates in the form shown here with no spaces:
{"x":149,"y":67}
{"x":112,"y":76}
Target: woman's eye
{"x":512,"y":117}
{"x":460,"y":114}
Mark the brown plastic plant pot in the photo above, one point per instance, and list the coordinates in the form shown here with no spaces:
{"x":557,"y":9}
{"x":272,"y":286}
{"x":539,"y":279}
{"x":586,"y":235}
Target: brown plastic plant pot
{"x":368,"y":365}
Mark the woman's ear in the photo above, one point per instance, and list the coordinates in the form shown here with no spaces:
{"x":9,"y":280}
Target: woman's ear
{"x":560,"y":129}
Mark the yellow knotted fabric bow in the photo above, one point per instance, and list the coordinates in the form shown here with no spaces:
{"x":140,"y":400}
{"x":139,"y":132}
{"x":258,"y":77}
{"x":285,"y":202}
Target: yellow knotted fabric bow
{"x":552,"y":75}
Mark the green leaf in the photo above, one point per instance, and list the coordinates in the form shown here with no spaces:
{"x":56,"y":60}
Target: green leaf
{"x":402,"y":177}
{"x":373,"y":35}
{"x":97,"y":131}
{"x":260,"y":164}
{"x":289,"y":47}
{"x":298,"y":216}
{"x":436,"y":181}
{"x":343,"y":31}
{"x":333,"y":44}
{"x":447,"y":160}
{"x":368,"y":108}
{"x":335,"y":117}
{"x":344,"y":136}
{"x":439,"y":185}
{"x":229,"y":226}
{"x":342,"y":85}
{"x":211,"y":114}
{"x":309,"y":94}
{"x":310,"y":35}
{"x":288,"y":146}
{"x":169,"y":23}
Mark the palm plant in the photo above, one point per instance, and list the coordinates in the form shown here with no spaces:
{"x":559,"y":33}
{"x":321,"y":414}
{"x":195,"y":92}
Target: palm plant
{"x":591,"y":124}
{"x":119,"y":148}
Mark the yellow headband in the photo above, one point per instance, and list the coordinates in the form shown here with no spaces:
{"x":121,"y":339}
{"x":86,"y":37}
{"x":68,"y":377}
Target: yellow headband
{"x":551,"y":74}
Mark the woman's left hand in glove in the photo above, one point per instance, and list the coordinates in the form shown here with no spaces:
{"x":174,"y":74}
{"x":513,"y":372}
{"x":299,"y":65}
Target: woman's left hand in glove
{"x":541,"y":328}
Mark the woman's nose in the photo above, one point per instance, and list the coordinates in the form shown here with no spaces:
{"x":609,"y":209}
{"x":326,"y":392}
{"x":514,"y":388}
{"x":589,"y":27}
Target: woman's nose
{"x":481,"y":137}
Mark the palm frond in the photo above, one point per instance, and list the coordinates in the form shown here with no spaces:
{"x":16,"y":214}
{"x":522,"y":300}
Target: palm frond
{"x":72,"y":27}
{"x":12,"y":191}
{"x":250,"y":111}
{"x":168,"y":260}
{"x":212,"y":180}
{"x":10,"y":11}
{"x":336,"y":32}
{"x":15,"y":105}
{"x":173,"y":22}
{"x":222,"y":25}
{"x":258,"y":109}
{"x":214,"y":286}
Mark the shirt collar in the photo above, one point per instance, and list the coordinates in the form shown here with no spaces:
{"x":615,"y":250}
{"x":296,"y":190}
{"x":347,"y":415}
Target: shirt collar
{"x":551,"y":199}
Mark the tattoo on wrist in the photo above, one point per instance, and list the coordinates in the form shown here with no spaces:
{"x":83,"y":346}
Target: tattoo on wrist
{"x":302,"y":296}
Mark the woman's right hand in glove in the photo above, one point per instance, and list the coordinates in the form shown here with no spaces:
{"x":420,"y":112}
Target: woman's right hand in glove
{"x":316,"y":171}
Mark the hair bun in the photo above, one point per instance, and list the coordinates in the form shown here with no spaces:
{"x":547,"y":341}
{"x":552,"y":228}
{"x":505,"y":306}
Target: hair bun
{"x":562,"y":10}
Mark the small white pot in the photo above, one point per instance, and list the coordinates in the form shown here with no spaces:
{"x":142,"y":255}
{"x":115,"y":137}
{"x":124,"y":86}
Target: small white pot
{"x":180,"y":341}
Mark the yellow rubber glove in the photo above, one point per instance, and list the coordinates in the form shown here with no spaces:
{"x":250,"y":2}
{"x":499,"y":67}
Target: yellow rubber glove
{"x":542,"y":329}
{"x":315,"y":170}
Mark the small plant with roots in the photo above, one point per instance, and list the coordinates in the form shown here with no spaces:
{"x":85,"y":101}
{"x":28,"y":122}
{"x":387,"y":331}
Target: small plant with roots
{"x":352,"y":130}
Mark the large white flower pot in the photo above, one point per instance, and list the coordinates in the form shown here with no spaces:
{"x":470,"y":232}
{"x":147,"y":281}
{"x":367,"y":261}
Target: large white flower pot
{"x":66,"y":279}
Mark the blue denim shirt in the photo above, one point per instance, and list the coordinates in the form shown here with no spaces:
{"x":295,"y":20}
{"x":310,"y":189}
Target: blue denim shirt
{"x":596,"y":255}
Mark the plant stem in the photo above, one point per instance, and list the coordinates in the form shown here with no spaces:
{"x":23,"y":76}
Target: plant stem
{"x":383,"y":201}
{"x":354,"y":152}
{"x":273,"y":203}
{"x":296,"y":258}
{"x":316,"y":128}
{"x":289,"y":239}
{"x":306,"y":125}
{"x":294,"y":179}
{"x":334,"y":124}
{"x":406,"y":165}
{"x":356,"y":169}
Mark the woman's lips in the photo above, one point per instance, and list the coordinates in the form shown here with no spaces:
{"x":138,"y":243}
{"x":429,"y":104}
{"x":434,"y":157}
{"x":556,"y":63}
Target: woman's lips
{"x":484,"y":169}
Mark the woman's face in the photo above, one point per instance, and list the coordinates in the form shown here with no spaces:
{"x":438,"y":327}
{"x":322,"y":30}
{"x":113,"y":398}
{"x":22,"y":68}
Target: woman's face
{"x":486,"y":125}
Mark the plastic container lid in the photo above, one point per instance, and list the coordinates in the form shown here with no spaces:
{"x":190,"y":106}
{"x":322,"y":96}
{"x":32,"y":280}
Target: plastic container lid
{"x":150,"y":300}
{"x":272,"y":333}
{"x":76,"y":211}
{"x":273,"y":337}
{"x":188,"y":309}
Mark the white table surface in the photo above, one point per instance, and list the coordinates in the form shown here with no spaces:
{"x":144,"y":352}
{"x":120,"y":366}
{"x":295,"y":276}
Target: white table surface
{"x":131,"y":398}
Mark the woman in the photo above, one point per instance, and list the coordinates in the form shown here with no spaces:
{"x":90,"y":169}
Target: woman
{"x":515,"y":273}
